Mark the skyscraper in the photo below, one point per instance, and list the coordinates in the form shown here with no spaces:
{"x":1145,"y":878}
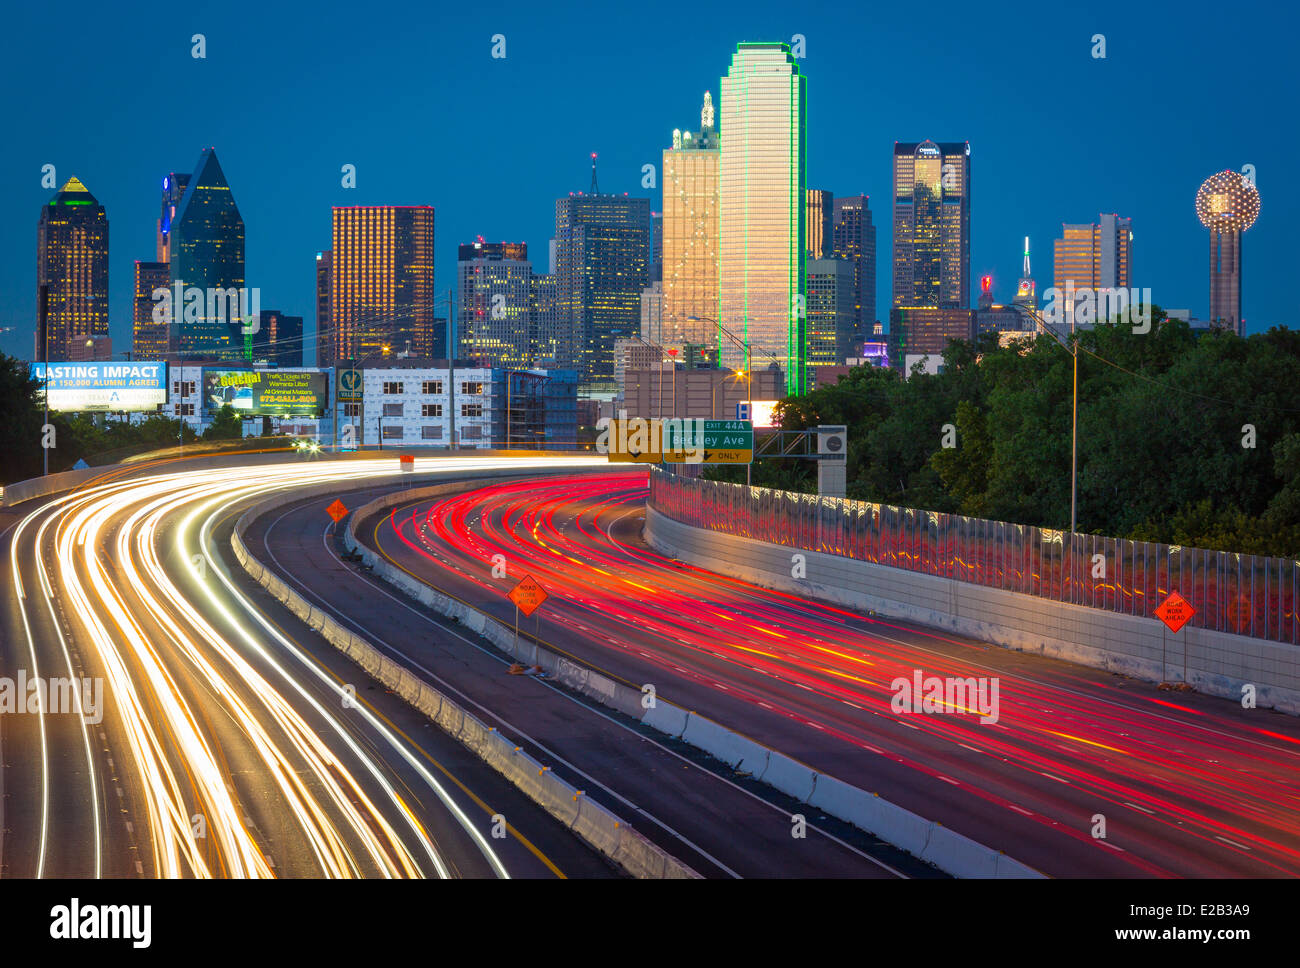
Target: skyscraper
{"x":831,"y":312}
{"x":1227,"y":204}
{"x":656,"y":246}
{"x":494,"y":303}
{"x":931,"y":292}
{"x":932,"y":193}
{"x":689,"y":311}
{"x":763,"y":209}
{"x":149,"y":335}
{"x":72,"y":271}
{"x":206,"y":250}
{"x":544,"y":332}
{"x":855,"y":242}
{"x":602,"y":264}
{"x":819,"y":224}
{"x":381,"y":282}
{"x":325,"y":355}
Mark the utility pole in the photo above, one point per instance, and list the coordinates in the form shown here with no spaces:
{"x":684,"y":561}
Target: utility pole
{"x":451,"y":367}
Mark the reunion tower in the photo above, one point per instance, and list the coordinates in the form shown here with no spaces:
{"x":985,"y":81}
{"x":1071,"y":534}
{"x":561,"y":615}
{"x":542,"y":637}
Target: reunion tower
{"x":1227,"y":205}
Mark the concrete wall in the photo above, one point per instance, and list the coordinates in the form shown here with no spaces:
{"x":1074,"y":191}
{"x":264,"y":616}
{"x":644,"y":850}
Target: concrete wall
{"x":1218,"y":663}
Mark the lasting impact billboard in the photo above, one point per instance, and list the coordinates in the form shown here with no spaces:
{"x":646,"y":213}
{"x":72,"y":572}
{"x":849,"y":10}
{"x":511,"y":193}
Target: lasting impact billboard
{"x":104,"y":386}
{"x":266,"y":393}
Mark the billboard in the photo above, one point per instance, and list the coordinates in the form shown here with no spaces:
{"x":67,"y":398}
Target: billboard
{"x":266,"y":393}
{"x":103,"y":386}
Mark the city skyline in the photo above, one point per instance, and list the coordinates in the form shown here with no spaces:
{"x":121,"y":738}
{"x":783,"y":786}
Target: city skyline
{"x":286,"y":206}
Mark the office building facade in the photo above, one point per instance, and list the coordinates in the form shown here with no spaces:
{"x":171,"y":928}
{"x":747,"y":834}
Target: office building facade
{"x":602,"y":265}
{"x":149,"y":330}
{"x":494,"y":303}
{"x":762,"y":209}
{"x":1096,"y":256}
{"x":71,"y":273}
{"x":830,"y":312}
{"x":819,"y":224}
{"x":205,"y":250}
{"x":382,"y":288}
{"x":932,"y":197}
{"x":855,"y":242}
{"x":691,"y":235}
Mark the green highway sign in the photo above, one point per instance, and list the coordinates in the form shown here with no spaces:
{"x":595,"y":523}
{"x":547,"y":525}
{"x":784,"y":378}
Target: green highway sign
{"x":708,"y":441}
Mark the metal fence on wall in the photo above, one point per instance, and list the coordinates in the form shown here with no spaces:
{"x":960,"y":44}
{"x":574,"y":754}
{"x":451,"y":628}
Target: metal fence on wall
{"x":1245,"y":594}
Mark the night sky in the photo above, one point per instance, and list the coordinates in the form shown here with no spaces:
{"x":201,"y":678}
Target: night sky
{"x":417,"y":103}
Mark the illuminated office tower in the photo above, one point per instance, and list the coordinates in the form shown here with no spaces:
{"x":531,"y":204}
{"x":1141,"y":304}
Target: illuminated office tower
{"x":1227,"y":204}
{"x":855,"y":242}
{"x":931,"y":282}
{"x":494,"y":303}
{"x":932,"y":191}
{"x":206,"y":250}
{"x":149,"y":335}
{"x":689,"y":310}
{"x":819,"y":224}
{"x":381,"y":282}
{"x":830,"y":312}
{"x":71,"y":273}
{"x":324,"y":328}
{"x":602,"y":265}
{"x":763,"y":208}
{"x":1093,"y":256}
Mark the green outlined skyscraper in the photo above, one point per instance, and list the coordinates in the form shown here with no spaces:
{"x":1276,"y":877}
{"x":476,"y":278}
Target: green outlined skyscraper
{"x":762,"y":205}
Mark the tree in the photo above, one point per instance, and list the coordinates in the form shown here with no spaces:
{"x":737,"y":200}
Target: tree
{"x":20,"y":429}
{"x":226,"y":425}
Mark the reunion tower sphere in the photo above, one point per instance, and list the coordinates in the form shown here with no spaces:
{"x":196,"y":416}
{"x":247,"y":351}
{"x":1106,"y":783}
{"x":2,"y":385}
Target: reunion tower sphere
{"x":1228,"y":201}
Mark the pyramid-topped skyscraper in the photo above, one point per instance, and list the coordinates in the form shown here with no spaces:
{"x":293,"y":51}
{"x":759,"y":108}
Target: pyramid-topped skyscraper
{"x":207,"y":252}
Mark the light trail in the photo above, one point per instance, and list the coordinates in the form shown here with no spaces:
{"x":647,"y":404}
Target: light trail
{"x":165,"y":664}
{"x":1201,"y":775}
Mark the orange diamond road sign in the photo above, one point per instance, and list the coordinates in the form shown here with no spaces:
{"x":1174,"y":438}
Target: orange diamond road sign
{"x":338,"y":511}
{"x":528,"y":595}
{"x":1175,"y":611}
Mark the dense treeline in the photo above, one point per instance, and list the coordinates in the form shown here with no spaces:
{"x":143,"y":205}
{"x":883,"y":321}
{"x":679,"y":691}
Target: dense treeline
{"x":97,"y":440}
{"x":1182,"y":438}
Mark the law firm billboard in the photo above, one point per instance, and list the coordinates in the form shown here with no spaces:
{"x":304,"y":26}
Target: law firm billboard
{"x":103,"y":387}
{"x":266,"y":393}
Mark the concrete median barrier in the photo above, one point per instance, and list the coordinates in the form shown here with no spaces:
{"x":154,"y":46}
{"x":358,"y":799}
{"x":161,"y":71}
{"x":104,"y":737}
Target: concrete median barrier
{"x":597,"y":826}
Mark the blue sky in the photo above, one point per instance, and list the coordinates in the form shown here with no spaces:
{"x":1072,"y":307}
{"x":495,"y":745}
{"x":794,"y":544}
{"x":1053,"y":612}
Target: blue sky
{"x":411,"y":96}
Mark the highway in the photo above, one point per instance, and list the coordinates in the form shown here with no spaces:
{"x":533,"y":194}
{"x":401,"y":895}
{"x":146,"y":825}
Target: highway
{"x":700,"y":812}
{"x":225,"y":739}
{"x":1185,"y":785}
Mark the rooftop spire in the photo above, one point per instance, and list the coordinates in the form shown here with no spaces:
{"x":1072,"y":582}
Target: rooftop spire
{"x":706,"y":112}
{"x":594,"y":189}
{"x":1026,"y":257}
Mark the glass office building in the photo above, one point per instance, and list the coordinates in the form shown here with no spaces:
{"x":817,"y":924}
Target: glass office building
{"x":689,"y":311}
{"x":762,"y":203}
{"x":206,"y":250}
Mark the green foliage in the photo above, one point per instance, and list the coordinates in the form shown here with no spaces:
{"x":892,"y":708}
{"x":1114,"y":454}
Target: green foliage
{"x":97,"y":439}
{"x":1165,"y":421}
{"x":226,"y":425}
